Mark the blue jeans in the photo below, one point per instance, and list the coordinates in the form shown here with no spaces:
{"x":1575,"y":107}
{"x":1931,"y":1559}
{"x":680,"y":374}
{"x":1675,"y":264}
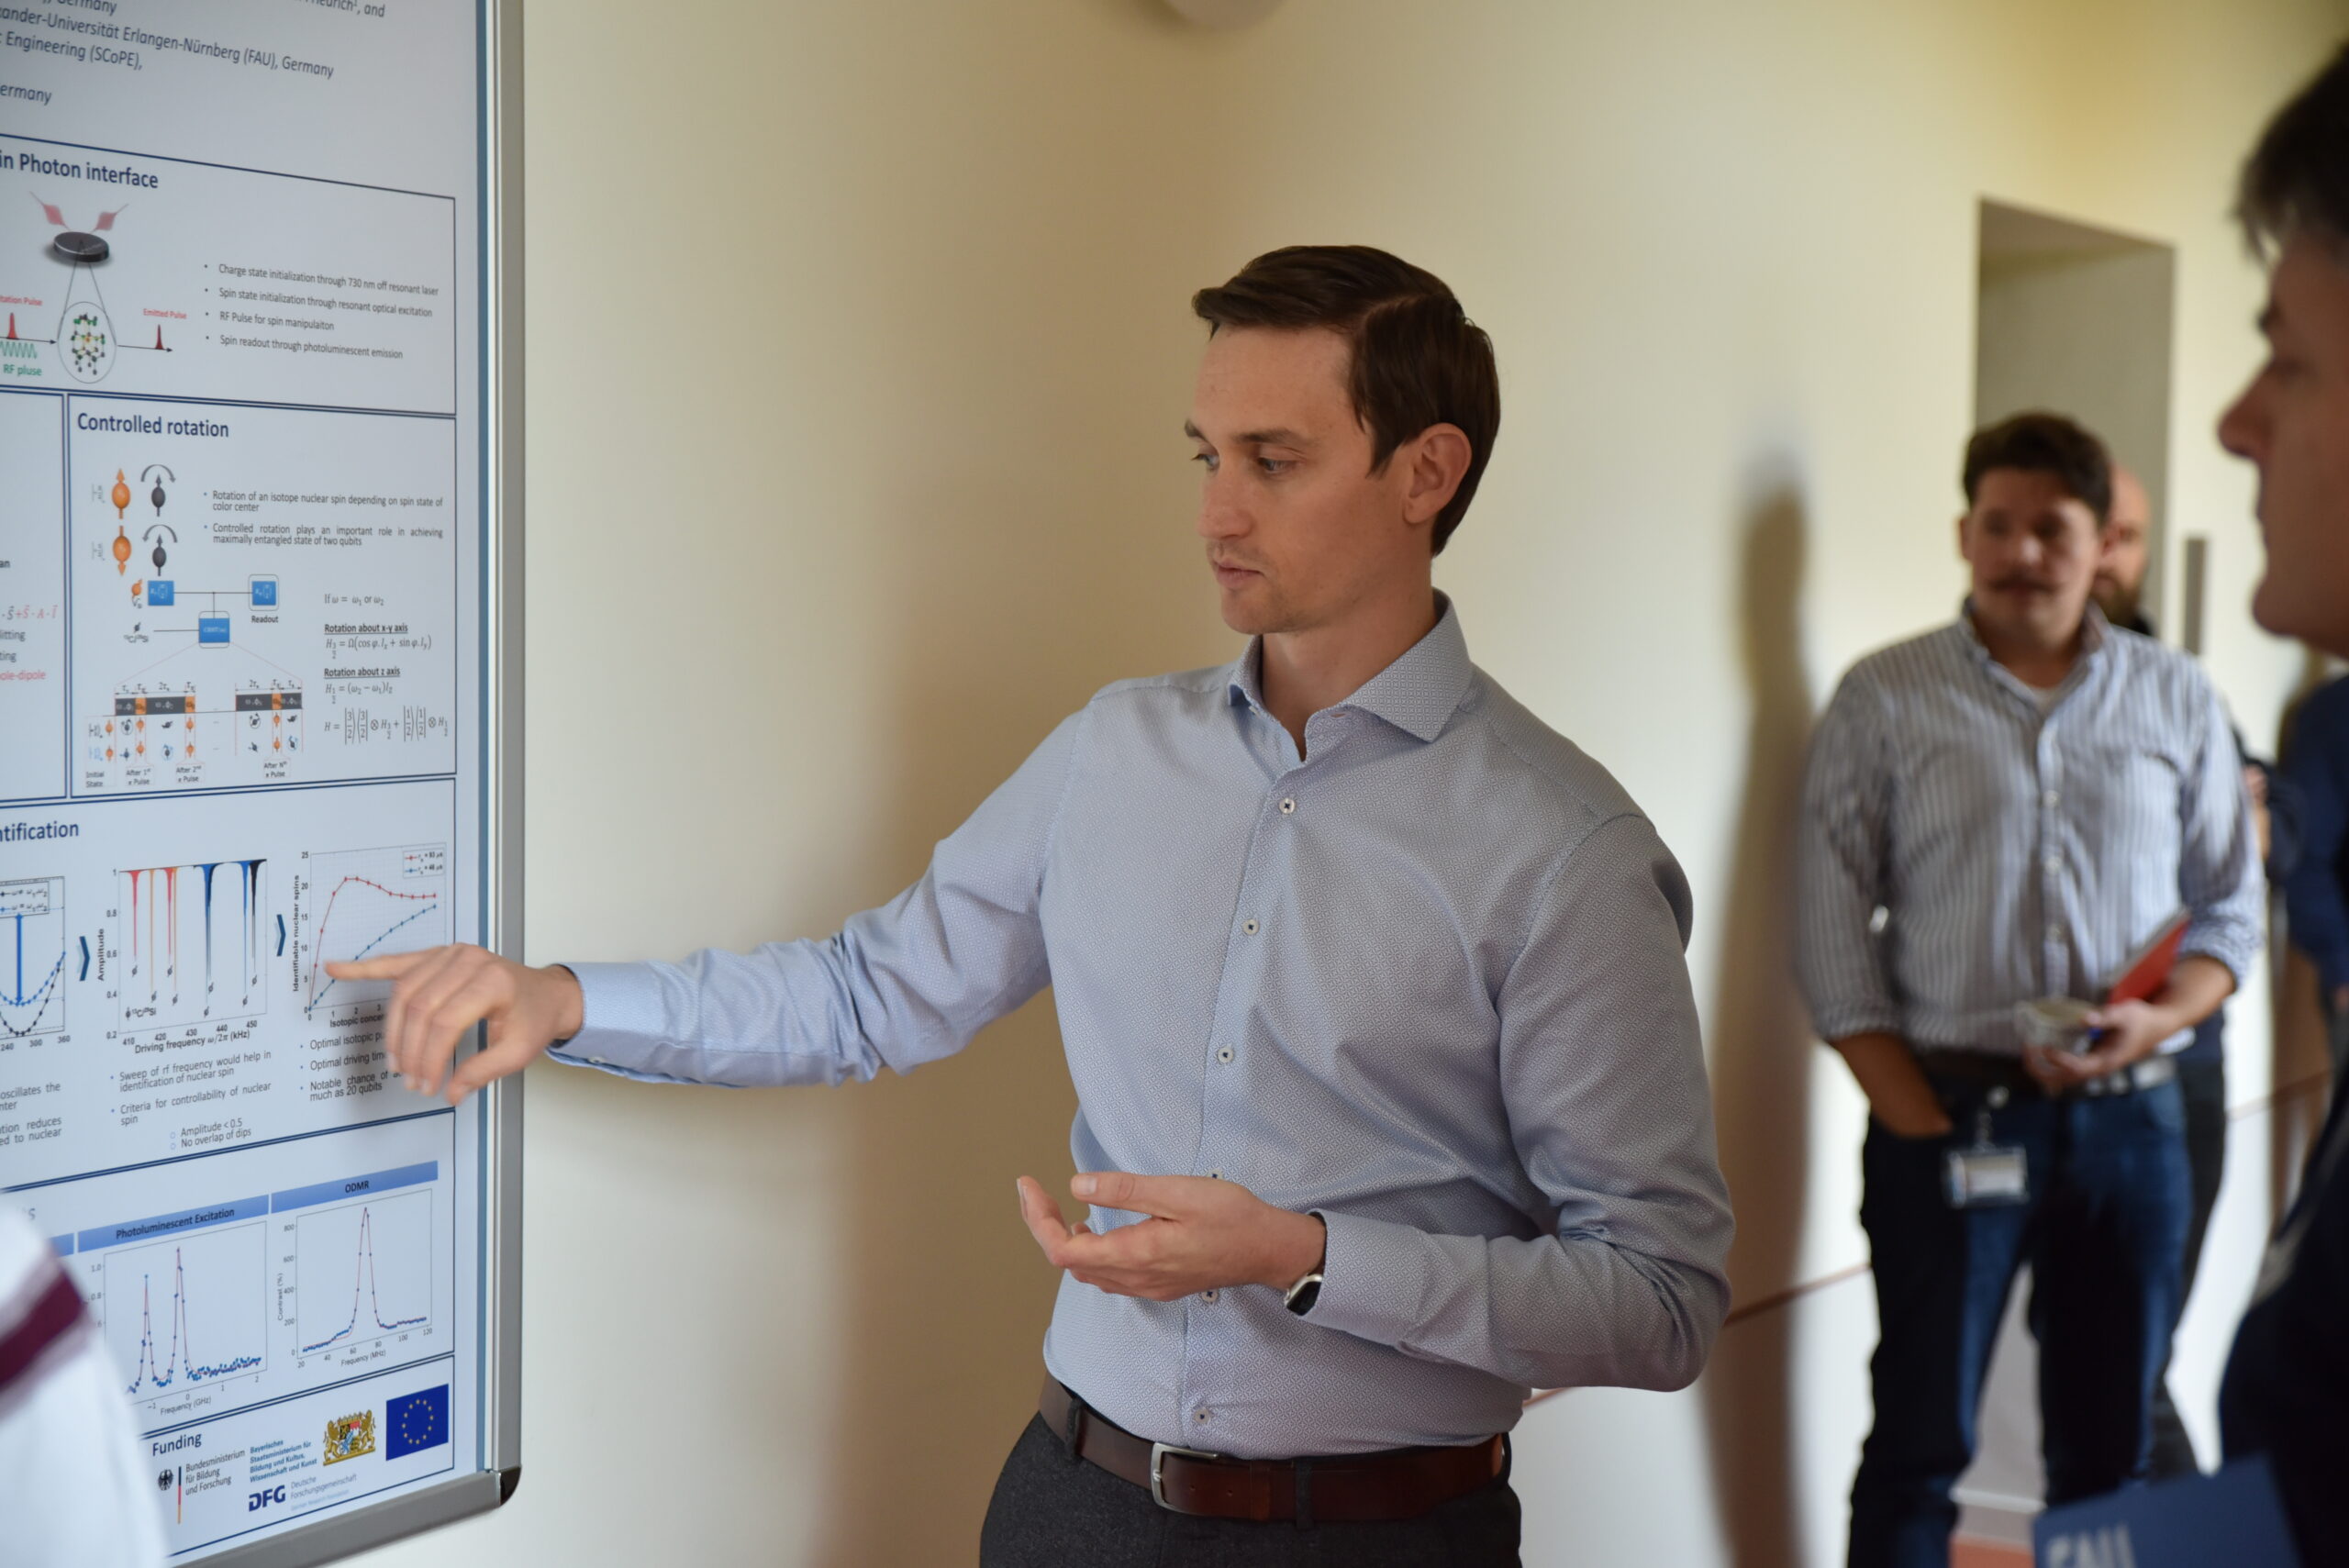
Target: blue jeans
{"x":2104,"y":1231}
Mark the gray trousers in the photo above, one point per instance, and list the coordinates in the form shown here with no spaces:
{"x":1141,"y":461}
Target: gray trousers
{"x":1053,"y":1510}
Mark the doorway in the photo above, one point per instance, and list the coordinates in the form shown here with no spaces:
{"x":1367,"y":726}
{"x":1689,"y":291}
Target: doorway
{"x":2077,"y":319}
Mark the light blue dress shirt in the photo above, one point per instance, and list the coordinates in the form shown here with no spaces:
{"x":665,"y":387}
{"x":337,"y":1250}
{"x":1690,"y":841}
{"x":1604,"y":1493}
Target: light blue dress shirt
{"x":1426,"y":980}
{"x":2021,"y":848}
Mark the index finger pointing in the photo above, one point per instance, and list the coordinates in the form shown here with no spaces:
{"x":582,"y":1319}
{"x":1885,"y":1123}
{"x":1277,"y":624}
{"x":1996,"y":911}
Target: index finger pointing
{"x":392,"y":966}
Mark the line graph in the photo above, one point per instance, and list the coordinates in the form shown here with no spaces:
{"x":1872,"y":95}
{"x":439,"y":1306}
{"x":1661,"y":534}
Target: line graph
{"x":193,"y":934}
{"x":187,"y":1311}
{"x":366,"y":904}
{"x":383,"y":1248}
{"x":32,"y":957}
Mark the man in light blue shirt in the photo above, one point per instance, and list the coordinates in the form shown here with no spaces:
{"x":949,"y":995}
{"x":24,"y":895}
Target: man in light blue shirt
{"x":1392,"y":1105}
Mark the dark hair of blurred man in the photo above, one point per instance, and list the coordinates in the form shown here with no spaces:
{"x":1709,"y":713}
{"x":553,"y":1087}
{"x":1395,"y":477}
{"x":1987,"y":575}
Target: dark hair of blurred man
{"x":2287,"y":1389}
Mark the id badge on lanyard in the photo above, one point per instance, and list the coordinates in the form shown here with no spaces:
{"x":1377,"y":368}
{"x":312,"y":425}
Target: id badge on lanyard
{"x":1986,"y":1175}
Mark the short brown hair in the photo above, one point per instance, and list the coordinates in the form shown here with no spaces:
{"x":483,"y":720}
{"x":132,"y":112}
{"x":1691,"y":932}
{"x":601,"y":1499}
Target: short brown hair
{"x":2297,"y":177}
{"x":2044,"y":444}
{"x":1418,"y":360}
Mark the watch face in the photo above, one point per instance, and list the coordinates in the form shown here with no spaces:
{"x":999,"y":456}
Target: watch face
{"x":1307,"y":1291}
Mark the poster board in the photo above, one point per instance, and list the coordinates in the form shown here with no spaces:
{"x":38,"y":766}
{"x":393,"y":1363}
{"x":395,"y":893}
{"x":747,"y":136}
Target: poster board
{"x":259,"y":635}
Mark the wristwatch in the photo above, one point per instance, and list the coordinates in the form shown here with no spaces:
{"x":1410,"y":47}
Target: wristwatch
{"x":1299,"y":1298}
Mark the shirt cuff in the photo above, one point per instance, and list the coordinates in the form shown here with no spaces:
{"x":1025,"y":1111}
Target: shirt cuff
{"x":620,"y":1007}
{"x":1375,"y":1280}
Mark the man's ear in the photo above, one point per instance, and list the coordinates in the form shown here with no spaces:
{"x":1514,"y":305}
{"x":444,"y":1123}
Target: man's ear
{"x":1962,"y":517}
{"x":1440,"y":456}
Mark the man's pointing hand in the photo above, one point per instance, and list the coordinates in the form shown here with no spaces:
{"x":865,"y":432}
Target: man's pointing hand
{"x":438,"y":994}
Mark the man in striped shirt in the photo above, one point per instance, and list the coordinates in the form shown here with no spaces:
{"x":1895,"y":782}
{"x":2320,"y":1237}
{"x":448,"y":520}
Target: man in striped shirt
{"x":1997,"y":813}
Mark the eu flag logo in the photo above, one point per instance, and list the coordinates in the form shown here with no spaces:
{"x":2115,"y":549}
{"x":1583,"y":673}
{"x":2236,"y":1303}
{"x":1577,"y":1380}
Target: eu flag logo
{"x":418,"y":1422}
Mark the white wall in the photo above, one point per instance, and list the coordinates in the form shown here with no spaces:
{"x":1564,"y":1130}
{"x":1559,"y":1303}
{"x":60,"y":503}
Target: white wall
{"x":859,"y":351}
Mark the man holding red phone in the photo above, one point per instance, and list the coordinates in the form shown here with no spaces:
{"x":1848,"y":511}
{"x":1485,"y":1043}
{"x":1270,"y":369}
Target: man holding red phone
{"x":1999,"y":814}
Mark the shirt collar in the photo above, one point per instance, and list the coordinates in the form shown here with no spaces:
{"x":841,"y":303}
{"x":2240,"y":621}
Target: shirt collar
{"x":2094,"y":635}
{"x":1417,"y":694}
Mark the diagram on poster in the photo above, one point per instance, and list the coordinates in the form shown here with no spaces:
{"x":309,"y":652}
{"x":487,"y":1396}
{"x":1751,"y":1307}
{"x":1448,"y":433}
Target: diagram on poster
{"x":187,"y":1312}
{"x":354,"y":903}
{"x":262,"y":595}
{"x":85,"y":336}
{"x":193,"y":940}
{"x":386,"y":1249}
{"x":192,"y":279}
{"x":33,"y":947}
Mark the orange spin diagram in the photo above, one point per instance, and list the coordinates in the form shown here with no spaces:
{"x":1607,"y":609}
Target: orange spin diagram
{"x":120,"y":493}
{"x":121,"y":540}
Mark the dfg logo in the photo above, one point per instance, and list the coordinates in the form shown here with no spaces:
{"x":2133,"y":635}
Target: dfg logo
{"x":264,"y":1498}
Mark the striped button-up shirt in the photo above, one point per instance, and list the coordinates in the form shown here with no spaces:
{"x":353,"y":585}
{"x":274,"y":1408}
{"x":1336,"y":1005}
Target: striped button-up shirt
{"x":2018,"y":844}
{"x":1425,"y":980}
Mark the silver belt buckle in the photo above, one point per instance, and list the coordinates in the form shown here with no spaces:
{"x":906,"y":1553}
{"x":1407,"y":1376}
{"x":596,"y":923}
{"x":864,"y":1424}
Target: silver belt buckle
{"x":1158,"y":1453}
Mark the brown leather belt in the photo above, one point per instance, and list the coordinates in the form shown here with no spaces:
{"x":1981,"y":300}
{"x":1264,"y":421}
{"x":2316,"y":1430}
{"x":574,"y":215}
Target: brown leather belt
{"x":1398,"y":1483}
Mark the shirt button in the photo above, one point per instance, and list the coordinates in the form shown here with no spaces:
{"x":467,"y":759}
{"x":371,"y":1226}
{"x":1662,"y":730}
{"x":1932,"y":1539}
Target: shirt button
{"x":1287,"y":807}
{"x":1202,"y":1417}
{"x":597,"y":1060}
{"x":1207,"y":1296}
{"x":1249,"y":927}
{"x":1224,"y":1055}
{"x":2054,"y":933}
{"x":1215,"y":1175}
{"x":2050,"y":798}
{"x":2053,"y":862}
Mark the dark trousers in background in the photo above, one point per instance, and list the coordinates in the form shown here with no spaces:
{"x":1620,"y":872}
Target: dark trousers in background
{"x":1052,"y":1509}
{"x":2202,"y":1086}
{"x":2104,"y":1231}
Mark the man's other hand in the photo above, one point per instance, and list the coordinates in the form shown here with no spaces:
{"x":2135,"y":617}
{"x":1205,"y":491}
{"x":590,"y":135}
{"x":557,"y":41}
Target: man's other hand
{"x":1200,"y":1234}
{"x":438,"y":994}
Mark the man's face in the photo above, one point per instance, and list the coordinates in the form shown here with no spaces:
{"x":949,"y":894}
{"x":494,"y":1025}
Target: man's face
{"x":2033,"y":547}
{"x":2292,"y":422}
{"x":2121,"y":573}
{"x":1298,"y":530}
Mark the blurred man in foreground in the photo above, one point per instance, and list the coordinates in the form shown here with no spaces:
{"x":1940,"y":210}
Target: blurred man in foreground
{"x":2287,"y":1389}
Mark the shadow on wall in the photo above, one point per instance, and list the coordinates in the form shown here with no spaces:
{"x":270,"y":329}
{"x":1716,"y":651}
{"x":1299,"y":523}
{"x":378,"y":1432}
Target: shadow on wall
{"x":1763,"y":1049}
